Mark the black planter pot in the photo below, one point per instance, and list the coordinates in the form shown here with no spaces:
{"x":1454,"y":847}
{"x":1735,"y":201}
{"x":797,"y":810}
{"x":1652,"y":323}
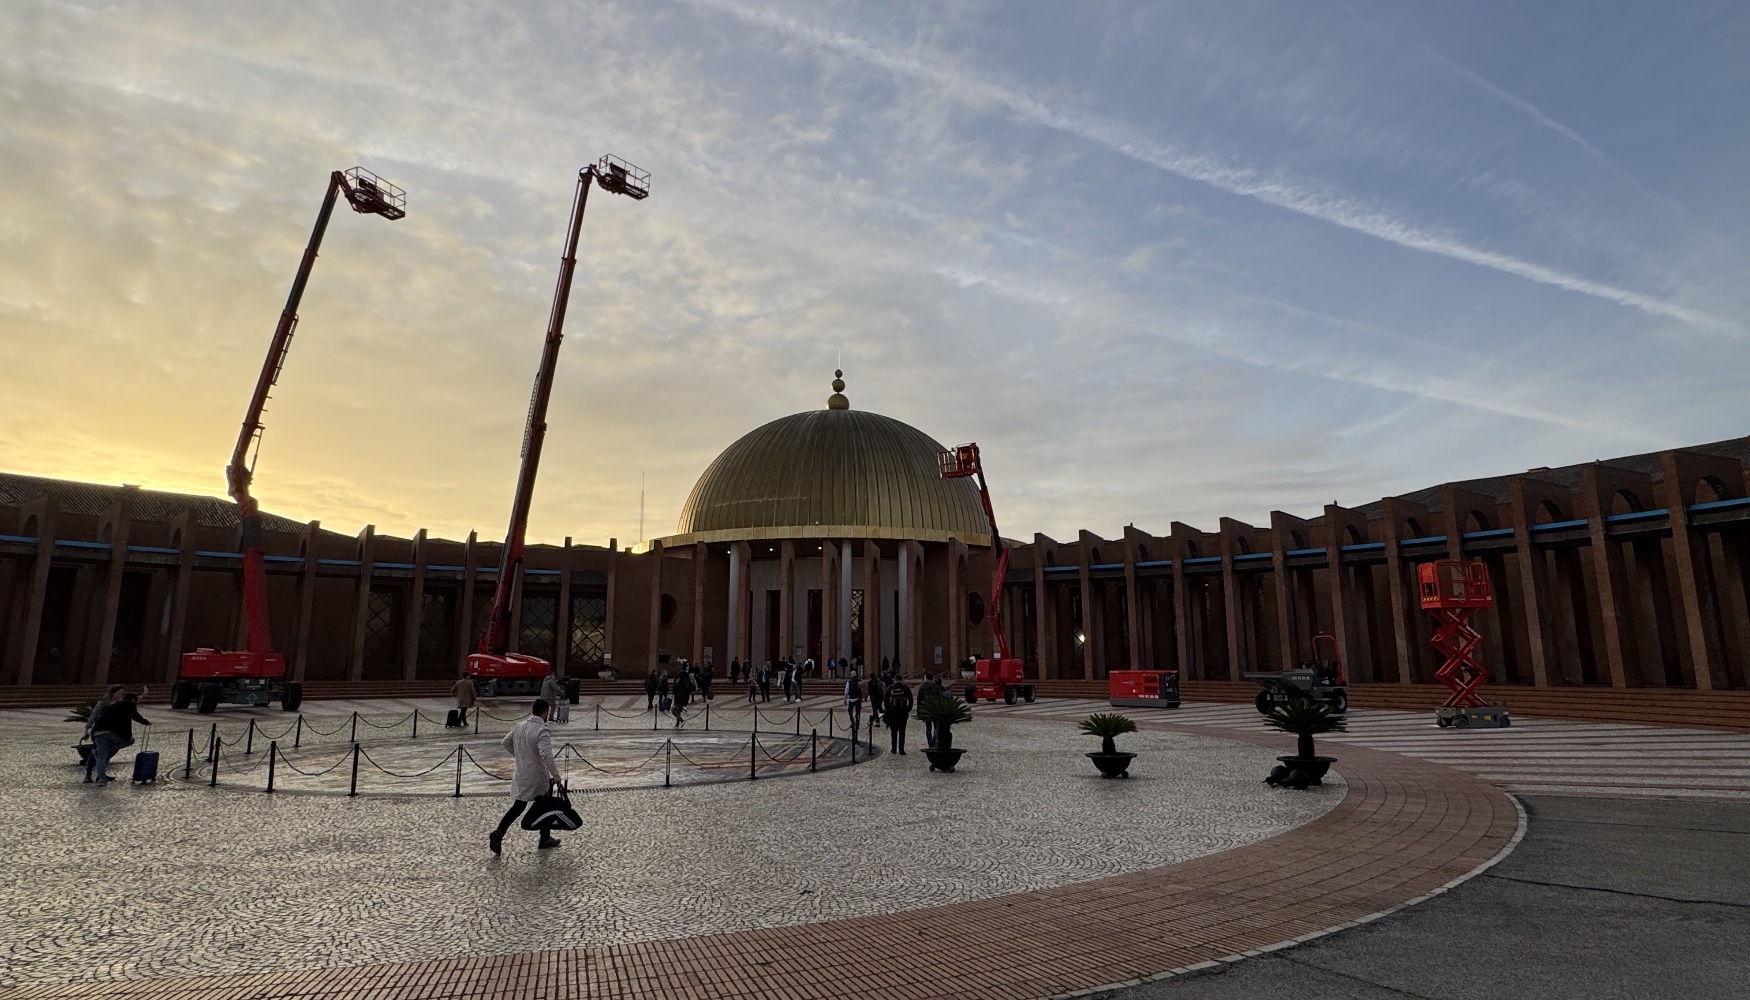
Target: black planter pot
{"x":943,"y":760}
{"x":1113,"y":765}
{"x":1300,"y":772}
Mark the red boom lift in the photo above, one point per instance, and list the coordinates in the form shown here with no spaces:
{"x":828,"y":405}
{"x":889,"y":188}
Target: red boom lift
{"x":1001,"y":677}
{"x":257,"y":675}
{"x":503,"y":671}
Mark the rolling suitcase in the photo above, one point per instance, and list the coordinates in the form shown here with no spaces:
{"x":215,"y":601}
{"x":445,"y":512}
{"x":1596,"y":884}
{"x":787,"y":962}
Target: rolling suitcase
{"x":454,"y":719}
{"x":145,"y":762}
{"x":562,"y":713}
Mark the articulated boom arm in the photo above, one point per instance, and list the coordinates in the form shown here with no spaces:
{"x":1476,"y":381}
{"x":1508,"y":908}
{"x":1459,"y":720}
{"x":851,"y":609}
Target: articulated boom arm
{"x":960,"y":463}
{"x":618,"y":177}
{"x":367,"y":194}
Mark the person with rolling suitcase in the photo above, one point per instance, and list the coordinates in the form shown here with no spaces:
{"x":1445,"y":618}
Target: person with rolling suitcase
{"x":145,"y":762}
{"x":113,"y":730}
{"x":464,"y":695}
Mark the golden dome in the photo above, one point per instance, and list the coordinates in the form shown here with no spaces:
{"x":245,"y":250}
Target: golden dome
{"x":832,"y":473}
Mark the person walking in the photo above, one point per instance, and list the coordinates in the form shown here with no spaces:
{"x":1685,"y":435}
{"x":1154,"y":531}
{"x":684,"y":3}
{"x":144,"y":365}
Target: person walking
{"x":927,"y":690}
{"x":465,"y":696}
{"x":683,"y":693}
{"x":530,"y":743}
{"x":753,"y":686}
{"x":766,"y":681}
{"x":706,"y":676}
{"x":662,"y":691}
{"x":877,"y":696}
{"x":854,"y":702}
{"x":553,"y":693}
{"x":649,"y":690}
{"x":796,"y":681}
{"x":897,"y":711}
{"x":735,"y":670}
{"x":109,"y":698}
{"x":113,"y":730}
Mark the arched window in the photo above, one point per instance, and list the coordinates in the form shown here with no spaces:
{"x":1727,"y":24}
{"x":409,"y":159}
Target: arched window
{"x":1142,"y":553}
{"x":1413,"y":528}
{"x":1243,"y":544}
{"x":1191,"y":547}
{"x":1353,"y":536}
{"x":1711,"y":489}
{"x":1050,"y":558}
{"x":107,"y":535}
{"x":1479,"y":521}
{"x":1625,"y":502}
{"x":670,"y":608}
{"x":30,"y":526}
{"x":1546,"y":512}
{"x":1094,"y":557}
{"x":1297,"y":539}
{"x":974,"y":608}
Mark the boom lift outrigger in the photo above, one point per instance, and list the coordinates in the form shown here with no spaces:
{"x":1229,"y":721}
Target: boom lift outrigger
{"x":257,"y":675}
{"x":502,"y":670}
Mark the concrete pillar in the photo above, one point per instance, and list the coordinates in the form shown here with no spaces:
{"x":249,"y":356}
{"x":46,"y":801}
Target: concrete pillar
{"x":311,"y":541}
{"x":182,"y":528}
{"x":1526,"y":496}
{"x":1185,"y":651}
{"x":367,"y":548}
{"x":700,"y":556}
{"x":741,"y":577}
{"x":847,"y":583}
{"x":1137,"y":655}
{"x":737,"y":645}
{"x":1240,"y":653}
{"x":1698,"y":623}
{"x":956,"y":602}
{"x":787,"y":598}
{"x":1338,"y":522}
{"x":654,"y":645}
{"x":1044,"y":621}
{"x":465,"y":614}
{"x":45,"y":509}
{"x":1598,"y":486}
{"x":1400,"y":577}
{"x":1292,"y":634}
{"x":873,"y":647}
{"x":117,"y":518}
{"x":829,"y":601}
{"x":414,"y":619}
{"x":562,"y":619}
{"x":1090,"y":606}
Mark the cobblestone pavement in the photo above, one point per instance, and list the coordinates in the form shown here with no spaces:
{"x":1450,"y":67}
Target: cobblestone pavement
{"x":178,"y":880}
{"x":1536,"y":756}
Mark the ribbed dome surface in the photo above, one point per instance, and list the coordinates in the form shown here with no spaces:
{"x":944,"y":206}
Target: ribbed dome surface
{"x":830,"y":474}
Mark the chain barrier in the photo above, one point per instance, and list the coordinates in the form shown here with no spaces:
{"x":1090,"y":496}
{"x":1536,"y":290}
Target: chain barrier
{"x":393,"y":725}
{"x":734,"y":758}
{"x":397,"y":774}
{"x":343,"y":758}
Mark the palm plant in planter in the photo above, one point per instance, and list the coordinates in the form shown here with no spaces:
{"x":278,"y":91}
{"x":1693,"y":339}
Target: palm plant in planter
{"x":943,"y":712}
{"x":1305,"y":718}
{"x":1108,"y":728}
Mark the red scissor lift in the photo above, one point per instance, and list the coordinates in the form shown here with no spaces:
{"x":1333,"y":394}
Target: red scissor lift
{"x":1452,"y":590}
{"x":1003,"y":677}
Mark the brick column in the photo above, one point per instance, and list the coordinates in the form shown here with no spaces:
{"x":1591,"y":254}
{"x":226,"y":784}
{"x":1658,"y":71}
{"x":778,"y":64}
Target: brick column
{"x":117,"y":519}
{"x":367,"y":548}
{"x":1239,"y":624}
{"x":45,"y":509}
{"x":956,"y":602}
{"x":829,"y":601}
{"x":654,"y":554}
{"x":182,"y":526}
{"x":562,"y":619}
{"x":1338,"y":521}
{"x":1044,"y":619}
{"x":312,"y":538}
{"x":415,"y":615}
{"x":739,"y":581}
{"x":608,"y":608}
{"x":1526,"y":495}
{"x":465,"y":616}
{"x":1598,"y":486}
{"x":1132,"y":602}
{"x":1698,"y":624}
{"x":1185,"y":650}
{"x":1399,"y":574}
{"x":1090,"y":607}
{"x":786,"y":598}
{"x":873,"y":648}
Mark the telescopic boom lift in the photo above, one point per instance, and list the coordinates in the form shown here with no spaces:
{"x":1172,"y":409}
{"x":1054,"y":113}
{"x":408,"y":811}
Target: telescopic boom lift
{"x":256,"y":675}
{"x":1001,"y":677}
{"x":494,"y":664}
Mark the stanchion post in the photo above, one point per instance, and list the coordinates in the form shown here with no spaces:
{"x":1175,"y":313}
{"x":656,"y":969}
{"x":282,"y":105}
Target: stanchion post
{"x":667,"y":761}
{"x":814,"y":749}
{"x":707,"y":716}
{"x":249,"y":739}
{"x":798,"y":720}
{"x":756,"y":717}
{"x":273,"y":751}
{"x":853,"y":746}
{"x":298,"y":732}
{"x":355,"y":726}
{"x":459,"y":752}
{"x":829,"y":715}
{"x":353,"y":789}
{"x":213,"y":758}
{"x":753,"y":758}
{"x":598,"y":716}
{"x":188,"y":759}
{"x":415,"y":735}
{"x":477,"y":710}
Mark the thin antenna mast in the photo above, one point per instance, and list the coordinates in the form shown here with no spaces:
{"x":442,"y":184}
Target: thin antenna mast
{"x":640,"y":508}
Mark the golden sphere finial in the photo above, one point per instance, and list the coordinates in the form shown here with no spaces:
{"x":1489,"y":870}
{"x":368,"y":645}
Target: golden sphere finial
{"x":837,"y":400}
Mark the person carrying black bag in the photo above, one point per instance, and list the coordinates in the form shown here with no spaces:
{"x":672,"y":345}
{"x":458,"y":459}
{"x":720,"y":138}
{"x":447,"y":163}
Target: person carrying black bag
{"x":897,"y":712}
{"x":530,"y":743}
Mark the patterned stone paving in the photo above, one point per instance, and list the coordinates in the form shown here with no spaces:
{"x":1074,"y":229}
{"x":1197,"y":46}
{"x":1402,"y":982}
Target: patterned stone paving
{"x":142,"y":883}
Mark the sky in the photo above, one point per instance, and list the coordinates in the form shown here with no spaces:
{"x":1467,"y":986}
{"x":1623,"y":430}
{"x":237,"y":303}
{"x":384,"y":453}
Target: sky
{"x":1161,"y":260}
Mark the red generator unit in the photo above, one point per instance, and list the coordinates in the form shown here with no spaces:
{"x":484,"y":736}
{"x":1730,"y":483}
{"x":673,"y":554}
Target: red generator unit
{"x":1144,"y":688}
{"x":1452,"y":590}
{"x":1003,"y":680}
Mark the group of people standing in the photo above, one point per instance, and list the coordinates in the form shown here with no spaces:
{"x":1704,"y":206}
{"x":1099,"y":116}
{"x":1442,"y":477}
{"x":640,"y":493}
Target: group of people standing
{"x":672,"y":696}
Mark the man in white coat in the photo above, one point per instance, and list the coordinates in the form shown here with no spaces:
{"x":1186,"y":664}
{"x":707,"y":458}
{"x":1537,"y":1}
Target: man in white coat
{"x":531,"y":746}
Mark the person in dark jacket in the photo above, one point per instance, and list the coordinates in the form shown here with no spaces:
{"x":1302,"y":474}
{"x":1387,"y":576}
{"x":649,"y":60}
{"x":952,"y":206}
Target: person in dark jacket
{"x":897,"y":711}
{"x":650,"y":691}
{"x":662,"y":691}
{"x":113,"y":730}
{"x":877,"y":697}
{"x":765,"y":676}
{"x":683,"y":693}
{"x":929,"y":689}
{"x":706,"y":676}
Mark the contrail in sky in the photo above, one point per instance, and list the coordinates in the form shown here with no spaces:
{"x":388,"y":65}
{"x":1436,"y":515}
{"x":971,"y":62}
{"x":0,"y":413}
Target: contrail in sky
{"x":1127,"y":140}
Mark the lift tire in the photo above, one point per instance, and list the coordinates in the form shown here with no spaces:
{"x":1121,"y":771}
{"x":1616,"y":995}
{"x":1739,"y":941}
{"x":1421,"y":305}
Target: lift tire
{"x":1442,"y":721}
{"x":1506,"y":721}
{"x":1028,"y":694}
{"x":209,"y":698}
{"x":292,"y":697}
{"x":1010,"y":696}
{"x":1263,"y":702}
{"x":1461,"y":721}
{"x":181,"y":693}
{"x":1339,"y":702}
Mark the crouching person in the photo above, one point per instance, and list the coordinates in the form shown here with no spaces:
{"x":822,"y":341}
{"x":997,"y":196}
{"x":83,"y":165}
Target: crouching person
{"x":530,"y":743}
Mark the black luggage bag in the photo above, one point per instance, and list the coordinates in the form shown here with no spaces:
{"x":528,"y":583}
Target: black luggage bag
{"x":145,"y":764}
{"x":455,"y":720}
{"x":552,"y":811}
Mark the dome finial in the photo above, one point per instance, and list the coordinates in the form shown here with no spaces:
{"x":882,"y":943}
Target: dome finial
{"x":837,"y":400}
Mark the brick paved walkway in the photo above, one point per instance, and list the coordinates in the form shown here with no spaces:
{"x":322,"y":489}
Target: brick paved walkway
{"x":1405,"y":829}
